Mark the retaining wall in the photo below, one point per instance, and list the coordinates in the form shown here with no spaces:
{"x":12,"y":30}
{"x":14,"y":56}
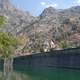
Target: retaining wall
{"x":68,"y":58}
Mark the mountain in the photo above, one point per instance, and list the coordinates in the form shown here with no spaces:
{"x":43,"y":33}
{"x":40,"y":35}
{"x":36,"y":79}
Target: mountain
{"x":52,"y":29}
{"x":57,"y":26}
{"x":17,"y":19}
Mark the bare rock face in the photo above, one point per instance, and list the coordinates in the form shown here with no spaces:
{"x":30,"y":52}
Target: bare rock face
{"x":16,"y":19}
{"x":52,"y":25}
{"x":57,"y":25}
{"x":48,"y":12}
{"x":4,"y":4}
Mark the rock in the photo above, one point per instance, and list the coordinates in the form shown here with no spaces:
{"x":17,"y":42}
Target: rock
{"x":51,"y":24}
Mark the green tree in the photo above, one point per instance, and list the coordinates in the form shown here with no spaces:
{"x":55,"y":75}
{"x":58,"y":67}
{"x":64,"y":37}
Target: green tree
{"x":3,"y":21}
{"x":65,"y":44}
{"x":8,"y":45}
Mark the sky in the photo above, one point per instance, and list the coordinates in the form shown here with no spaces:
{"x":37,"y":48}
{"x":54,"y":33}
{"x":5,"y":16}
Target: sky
{"x":35,"y":7}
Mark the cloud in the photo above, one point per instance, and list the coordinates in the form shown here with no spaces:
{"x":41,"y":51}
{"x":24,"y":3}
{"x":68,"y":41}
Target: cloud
{"x":52,"y":5}
{"x":45,"y":5}
{"x":77,"y":2}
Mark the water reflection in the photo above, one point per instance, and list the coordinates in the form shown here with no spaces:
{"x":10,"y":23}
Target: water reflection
{"x":49,"y":74}
{"x":30,"y":73}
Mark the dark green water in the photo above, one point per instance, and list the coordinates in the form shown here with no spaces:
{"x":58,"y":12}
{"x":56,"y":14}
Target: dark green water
{"x":51,"y":74}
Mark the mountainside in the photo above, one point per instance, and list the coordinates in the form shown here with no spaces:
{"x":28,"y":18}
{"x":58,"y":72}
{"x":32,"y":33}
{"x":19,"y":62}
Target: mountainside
{"x":16,"y":19}
{"x":53,"y":29}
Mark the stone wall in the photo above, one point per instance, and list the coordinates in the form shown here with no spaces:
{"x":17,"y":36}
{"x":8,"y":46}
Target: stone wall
{"x":68,"y":58}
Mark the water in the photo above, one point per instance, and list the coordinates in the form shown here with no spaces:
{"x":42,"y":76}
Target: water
{"x":29,"y":73}
{"x":49,"y":74}
{"x":45,"y":74}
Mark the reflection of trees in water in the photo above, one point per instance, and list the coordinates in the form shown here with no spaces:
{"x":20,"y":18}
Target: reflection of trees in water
{"x":17,"y":76}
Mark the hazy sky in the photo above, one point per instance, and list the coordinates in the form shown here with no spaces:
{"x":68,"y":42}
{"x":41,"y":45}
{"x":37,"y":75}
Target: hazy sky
{"x":35,"y":7}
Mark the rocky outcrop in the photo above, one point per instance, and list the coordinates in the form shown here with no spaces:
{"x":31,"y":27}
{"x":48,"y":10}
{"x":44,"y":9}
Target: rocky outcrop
{"x":52,"y":25}
{"x":17,"y":19}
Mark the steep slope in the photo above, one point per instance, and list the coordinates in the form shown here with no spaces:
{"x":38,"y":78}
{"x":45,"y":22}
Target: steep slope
{"x":16,"y":19}
{"x":57,"y":26}
{"x":52,"y":29}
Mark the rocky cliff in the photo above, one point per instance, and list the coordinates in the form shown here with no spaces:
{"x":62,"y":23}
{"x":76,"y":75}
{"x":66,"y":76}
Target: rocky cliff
{"x":17,"y":19}
{"x":53,"y":28}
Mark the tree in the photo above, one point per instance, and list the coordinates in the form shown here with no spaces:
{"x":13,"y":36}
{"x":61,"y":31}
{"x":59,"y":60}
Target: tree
{"x":65,"y":44}
{"x":8,"y":45}
{"x":3,"y":21}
